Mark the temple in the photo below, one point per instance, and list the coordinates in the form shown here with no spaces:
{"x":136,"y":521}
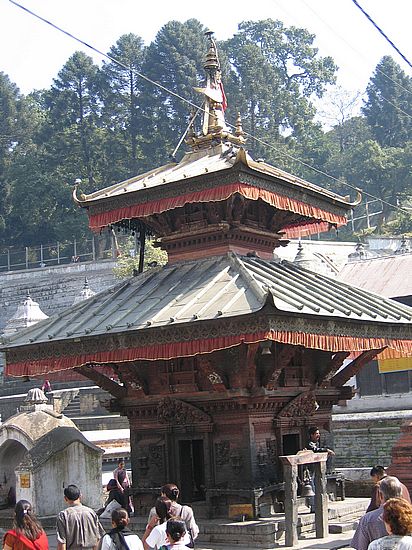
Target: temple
{"x":224,"y":357}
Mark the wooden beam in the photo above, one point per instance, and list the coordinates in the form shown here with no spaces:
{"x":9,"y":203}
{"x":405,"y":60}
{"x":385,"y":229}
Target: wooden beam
{"x":354,"y":367}
{"x":332,"y":367}
{"x":102,"y":381}
{"x":281,"y":359}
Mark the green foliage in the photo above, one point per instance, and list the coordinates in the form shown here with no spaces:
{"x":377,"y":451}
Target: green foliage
{"x":128,"y":264}
{"x":388,"y":109}
{"x":105,"y":124}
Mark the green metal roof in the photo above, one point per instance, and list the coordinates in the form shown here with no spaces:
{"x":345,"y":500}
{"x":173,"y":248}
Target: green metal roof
{"x":214,"y":288}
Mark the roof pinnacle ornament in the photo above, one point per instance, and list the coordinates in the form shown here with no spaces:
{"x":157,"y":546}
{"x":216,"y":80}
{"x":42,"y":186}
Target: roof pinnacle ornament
{"x":214,"y":127}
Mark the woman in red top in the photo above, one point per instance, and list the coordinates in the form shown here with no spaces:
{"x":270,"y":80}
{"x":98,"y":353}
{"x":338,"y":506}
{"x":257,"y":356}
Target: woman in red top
{"x":27,"y":533}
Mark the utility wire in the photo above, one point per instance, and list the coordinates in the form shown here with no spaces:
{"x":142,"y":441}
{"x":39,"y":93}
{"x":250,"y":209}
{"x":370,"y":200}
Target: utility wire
{"x":396,"y":107}
{"x":382,"y":33}
{"x":198,"y":108}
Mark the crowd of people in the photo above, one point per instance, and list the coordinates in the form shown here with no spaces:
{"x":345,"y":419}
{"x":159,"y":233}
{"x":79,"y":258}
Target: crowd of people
{"x":387,"y":524}
{"x":170,"y":525}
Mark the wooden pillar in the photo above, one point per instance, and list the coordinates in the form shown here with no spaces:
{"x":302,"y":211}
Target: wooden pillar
{"x":291,"y":504}
{"x":321,"y":501}
{"x":290,"y":473}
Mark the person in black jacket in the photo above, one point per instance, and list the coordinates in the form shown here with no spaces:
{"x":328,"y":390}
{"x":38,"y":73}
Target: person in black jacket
{"x":315,"y":446}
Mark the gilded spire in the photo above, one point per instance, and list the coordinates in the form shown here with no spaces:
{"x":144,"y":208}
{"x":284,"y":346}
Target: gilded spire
{"x":214,"y":127}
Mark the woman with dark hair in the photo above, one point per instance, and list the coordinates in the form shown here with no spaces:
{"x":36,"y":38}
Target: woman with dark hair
{"x":397,"y":516}
{"x":120,"y":537}
{"x":184,"y":512}
{"x":27,"y":533}
{"x":175,"y":531}
{"x":155,"y":534}
{"x":114,"y":501}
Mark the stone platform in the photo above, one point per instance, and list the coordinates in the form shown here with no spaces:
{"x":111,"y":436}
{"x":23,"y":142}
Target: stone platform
{"x":263,"y":534}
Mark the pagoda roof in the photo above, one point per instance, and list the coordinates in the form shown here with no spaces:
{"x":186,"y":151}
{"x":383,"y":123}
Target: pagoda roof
{"x":194,"y":307}
{"x":212,"y":174}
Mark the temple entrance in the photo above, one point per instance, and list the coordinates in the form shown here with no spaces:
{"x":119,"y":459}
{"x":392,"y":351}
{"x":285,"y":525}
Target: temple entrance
{"x":291,"y":444}
{"x":192,"y":470}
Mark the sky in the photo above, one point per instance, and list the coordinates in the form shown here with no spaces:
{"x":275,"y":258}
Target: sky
{"x":32,"y":53}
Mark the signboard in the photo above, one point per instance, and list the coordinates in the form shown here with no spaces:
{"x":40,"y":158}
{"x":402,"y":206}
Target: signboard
{"x":394,"y":364}
{"x":25,"y":481}
{"x":244,"y":511}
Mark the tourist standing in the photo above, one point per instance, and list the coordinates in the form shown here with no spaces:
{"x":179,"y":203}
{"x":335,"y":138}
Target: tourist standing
{"x":78,"y":526}
{"x":315,"y":446}
{"x":123,"y":484}
{"x":27,"y":533}
{"x":184,"y":512}
{"x":155,"y":535}
{"x":120,"y":537}
{"x":176,"y":531}
{"x":378,"y":473}
{"x":397,"y":516}
{"x":371,"y":525}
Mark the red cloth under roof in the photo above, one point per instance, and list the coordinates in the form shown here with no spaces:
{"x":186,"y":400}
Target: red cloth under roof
{"x":186,"y":349}
{"x":136,"y":210}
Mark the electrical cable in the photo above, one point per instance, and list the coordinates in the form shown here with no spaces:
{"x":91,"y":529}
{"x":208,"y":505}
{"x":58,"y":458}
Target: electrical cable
{"x":382,"y":33}
{"x":198,"y":108}
{"x":377,"y":69}
{"x":359,"y":53}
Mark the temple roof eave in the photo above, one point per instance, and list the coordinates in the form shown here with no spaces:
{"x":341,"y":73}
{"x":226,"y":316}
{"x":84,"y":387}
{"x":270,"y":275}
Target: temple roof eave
{"x":203,"y":170}
{"x":184,"y":341}
{"x":220,"y":301}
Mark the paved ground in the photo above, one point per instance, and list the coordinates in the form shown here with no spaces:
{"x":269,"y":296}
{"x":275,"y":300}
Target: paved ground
{"x":332,"y":542}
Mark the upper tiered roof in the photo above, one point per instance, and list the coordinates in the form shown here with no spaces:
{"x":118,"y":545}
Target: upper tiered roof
{"x":218,"y":174}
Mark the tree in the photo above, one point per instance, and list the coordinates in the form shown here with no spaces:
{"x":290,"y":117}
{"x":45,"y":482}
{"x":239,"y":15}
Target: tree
{"x":121,"y":89}
{"x":9,"y":136}
{"x":276,"y":69}
{"x":388,"y":108}
{"x":73,"y":107}
{"x":175,"y":60}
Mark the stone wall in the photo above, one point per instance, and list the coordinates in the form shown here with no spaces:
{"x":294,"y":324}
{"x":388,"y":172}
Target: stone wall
{"x":362,"y":440}
{"x":54,"y":288}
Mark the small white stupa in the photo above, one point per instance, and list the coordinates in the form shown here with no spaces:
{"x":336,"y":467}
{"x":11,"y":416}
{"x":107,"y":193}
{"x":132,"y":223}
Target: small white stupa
{"x":28,"y":313}
{"x":85,"y":294}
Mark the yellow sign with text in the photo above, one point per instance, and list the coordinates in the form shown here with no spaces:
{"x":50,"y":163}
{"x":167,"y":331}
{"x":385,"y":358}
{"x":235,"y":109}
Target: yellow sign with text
{"x":394,"y":364}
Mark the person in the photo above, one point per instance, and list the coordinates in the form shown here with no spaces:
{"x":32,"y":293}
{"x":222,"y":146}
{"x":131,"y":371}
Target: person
{"x":371,"y":526}
{"x":77,"y":526}
{"x":120,"y":537}
{"x":397,"y":517}
{"x":314,"y":442}
{"x":314,"y":445}
{"x":114,"y":500}
{"x":175,"y":531}
{"x":27,"y":533}
{"x":46,"y":387}
{"x":171,"y":491}
{"x":123,"y":484}
{"x":377,"y":473}
{"x":155,"y":534}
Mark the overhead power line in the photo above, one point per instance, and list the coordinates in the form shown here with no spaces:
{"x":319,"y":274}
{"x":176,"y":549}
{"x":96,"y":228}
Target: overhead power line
{"x":382,"y":33}
{"x":199,"y":108}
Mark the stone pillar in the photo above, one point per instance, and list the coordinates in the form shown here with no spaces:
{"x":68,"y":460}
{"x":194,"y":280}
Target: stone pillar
{"x":321,"y":500}
{"x":290,"y":465}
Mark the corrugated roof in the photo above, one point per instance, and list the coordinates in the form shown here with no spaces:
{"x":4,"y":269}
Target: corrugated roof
{"x":197,"y":163}
{"x":213,"y":288}
{"x":389,"y":276}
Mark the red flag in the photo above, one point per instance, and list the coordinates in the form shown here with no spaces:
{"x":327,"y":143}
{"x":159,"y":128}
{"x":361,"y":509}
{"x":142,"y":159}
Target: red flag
{"x":224,"y":100}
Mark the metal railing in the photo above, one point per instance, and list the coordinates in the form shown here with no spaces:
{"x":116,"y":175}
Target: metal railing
{"x":46,"y":255}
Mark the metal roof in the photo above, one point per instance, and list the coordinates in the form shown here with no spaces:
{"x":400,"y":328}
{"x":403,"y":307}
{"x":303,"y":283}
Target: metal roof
{"x":214,"y":288}
{"x":389,"y":276}
{"x":196,"y":163}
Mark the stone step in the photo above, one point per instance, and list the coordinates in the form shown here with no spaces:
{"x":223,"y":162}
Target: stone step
{"x":335,"y":528}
